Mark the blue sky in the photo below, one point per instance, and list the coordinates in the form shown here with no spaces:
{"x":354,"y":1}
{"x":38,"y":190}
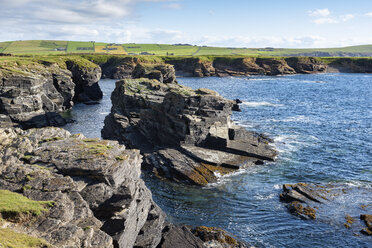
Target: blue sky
{"x":238,"y":23}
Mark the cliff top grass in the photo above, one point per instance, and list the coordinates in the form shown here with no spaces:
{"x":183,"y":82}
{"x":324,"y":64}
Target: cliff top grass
{"x":145,"y":85}
{"x":11,"y":239}
{"x":53,"y":47}
{"x":24,"y":64}
{"x":16,"y":204}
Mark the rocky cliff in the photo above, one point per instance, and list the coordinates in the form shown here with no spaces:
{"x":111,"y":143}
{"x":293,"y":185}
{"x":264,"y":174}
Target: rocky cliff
{"x":245,"y":66}
{"x":89,"y":194}
{"x":185,"y":135}
{"x":123,"y":67}
{"x":33,"y":92}
{"x":119,"y":67}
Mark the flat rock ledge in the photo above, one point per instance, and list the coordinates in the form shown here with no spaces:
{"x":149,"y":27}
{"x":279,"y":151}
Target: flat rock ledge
{"x":327,"y":203}
{"x":185,"y":135}
{"x":95,"y":195}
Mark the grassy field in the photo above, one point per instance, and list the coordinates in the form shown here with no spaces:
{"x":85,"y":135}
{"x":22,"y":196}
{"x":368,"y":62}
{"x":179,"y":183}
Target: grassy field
{"x":35,"y":47}
{"x":49,"y":47}
{"x":80,"y":47}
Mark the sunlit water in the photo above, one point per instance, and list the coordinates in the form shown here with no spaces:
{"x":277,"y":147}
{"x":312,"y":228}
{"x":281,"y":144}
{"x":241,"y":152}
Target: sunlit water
{"x":322,"y":127}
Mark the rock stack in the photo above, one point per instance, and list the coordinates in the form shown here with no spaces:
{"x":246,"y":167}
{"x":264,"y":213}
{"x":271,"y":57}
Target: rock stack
{"x":185,"y":135}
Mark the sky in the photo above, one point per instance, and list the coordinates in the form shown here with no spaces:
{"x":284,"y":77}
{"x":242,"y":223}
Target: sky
{"x":229,"y":23}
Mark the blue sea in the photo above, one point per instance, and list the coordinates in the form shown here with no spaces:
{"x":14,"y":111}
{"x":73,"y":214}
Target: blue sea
{"x":321,"y":125}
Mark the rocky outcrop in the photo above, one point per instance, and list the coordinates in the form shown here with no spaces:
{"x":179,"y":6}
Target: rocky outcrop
{"x":316,"y":201}
{"x":33,"y":95}
{"x":185,"y":135}
{"x":245,"y":66}
{"x":86,"y":81}
{"x":350,"y":65}
{"x":93,"y":189}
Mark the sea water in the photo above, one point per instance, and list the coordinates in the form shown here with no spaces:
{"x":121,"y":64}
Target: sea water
{"x":321,"y":125}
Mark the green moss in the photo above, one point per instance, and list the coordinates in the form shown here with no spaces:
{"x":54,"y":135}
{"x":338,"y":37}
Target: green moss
{"x":121,"y":158}
{"x":26,"y":187}
{"x":11,"y":239}
{"x":14,"y":204}
{"x":51,"y":139}
{"x":27,"y":157}
{"x":96,"y":146}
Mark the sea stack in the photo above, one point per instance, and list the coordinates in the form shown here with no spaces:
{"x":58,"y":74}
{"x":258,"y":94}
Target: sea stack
{"x":185,"y":135}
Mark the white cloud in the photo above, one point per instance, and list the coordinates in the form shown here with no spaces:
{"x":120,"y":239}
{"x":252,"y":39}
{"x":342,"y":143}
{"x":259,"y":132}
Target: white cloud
{"x":173,"y":6}
{"x":369,"y":14}
{"x":319,"y":12}
{"x":325,"y":20}
{"x":347,"y":17}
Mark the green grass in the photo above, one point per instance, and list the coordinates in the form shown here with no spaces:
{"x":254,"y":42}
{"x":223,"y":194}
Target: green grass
{"x":35,"y":47}
{"x":4,"y":45}
{"x":11,"y":239}
{"x":72,"y":47}
{"x":16,"y":204}
{"x":45,"y":47}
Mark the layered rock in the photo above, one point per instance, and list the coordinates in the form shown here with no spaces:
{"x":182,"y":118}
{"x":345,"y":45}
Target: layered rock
{"x":93,"y":187}
{"x":245,"y":66}
{"x":327,"y":203}
{"x":185,"y":135}
{"x":33,"y":94}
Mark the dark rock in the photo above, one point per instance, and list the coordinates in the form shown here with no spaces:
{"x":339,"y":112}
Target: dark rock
{"x":216,"y":237}
{"x":86,"y":81}
{"x":164,"y":73}
{"x":316,"y":201}
{"x":367,"y":218}
{"x":33,"y":95}
{"x":95,"y":185}
{"x":170,"y":122}
{"x":180,"y":237}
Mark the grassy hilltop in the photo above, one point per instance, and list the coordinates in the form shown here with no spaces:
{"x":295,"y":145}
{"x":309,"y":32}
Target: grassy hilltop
{"x":51,"y":47}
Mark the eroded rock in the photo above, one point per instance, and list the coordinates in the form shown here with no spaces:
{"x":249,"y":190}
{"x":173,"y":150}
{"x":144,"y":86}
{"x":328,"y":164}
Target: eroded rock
{"x":185,"y":135}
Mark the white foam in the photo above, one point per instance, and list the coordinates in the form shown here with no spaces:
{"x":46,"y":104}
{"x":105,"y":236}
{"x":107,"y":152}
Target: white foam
{"x":104,"y":113}
{"x":261,"y":104}
{"x":222,"y":179}
{"x":277,"y":186}
{"x":262,"y":79}
{"x":264,"y":197}
{"x":313,"y":81}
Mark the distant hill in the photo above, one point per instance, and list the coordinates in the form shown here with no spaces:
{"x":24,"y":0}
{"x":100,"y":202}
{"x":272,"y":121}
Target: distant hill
{"x":47,"y":47}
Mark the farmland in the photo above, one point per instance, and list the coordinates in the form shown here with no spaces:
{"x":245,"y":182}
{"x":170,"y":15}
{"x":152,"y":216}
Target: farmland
{"x":50,"y":47}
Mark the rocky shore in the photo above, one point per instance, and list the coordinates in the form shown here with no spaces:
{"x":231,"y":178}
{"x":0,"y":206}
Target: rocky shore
{"x":80,"y":192}
{"x":75,"y":191}
{"x":91,"y":195}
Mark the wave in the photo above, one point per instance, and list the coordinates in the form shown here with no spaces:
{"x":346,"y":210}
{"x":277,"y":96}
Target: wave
{"x":261,"y":104}
{"x":313,"y":82}
{"x":264,"y":197}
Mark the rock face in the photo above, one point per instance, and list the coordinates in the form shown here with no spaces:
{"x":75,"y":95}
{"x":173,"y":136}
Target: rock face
{"x":99,"y":199}
{"x":185,"y":135}
{"x":224,"y":66}
{"x":325,"y":202}
{"x":32,"y":95}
